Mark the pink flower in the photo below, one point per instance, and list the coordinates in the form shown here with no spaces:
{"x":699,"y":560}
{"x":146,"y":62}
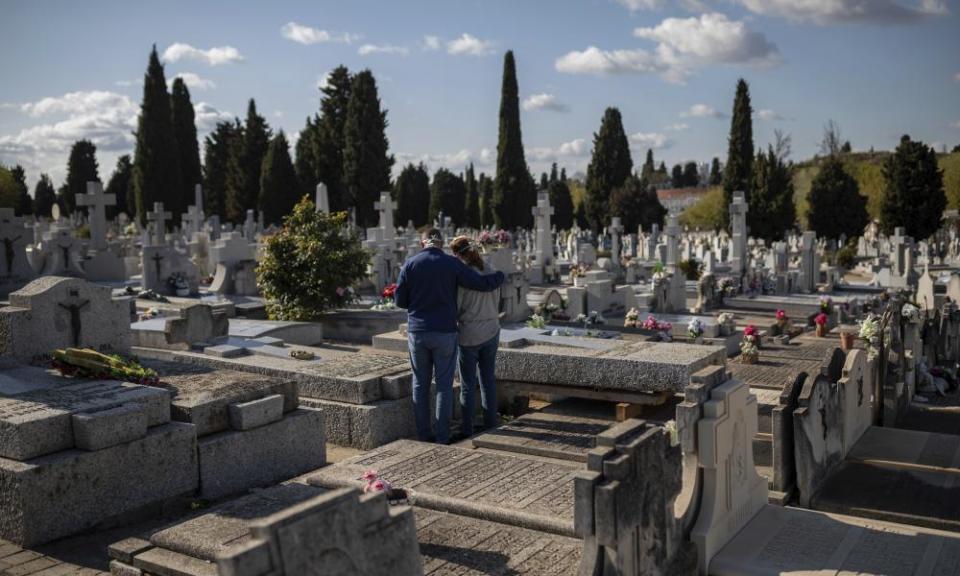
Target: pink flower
{"x":750,"y":330}
{"x":821,"y":319}
{"x":781,"y":315}
{"x":340,"y":292}
{"x":370,"y":475}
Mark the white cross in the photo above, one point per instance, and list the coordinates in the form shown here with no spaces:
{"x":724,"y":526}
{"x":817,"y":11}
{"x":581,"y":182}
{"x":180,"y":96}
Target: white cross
{"x":96,"y":202}
{"x":159,"y":219}
{"x":323,"y":200}
{"x":386,"y":206}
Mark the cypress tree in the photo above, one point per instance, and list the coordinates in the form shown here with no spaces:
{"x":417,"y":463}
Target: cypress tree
{"x":553,"y":173}
{"x":81,"y":168}
{"x":121,"y":185}
{"x":256,"y":140}
{"x":366,"y":162}
{"x":44,"y":196}
{"x":676,"y":177}
{"x":219,"y":147}
{"x":279,"y":188}
{"x":156,"y":165}
{"x":738,"y":171}
{"x":188,"y":149}
{"x":447,"y":193}
{"x":649,"y":168}
{"x":609,"y":167}
{"x":563,"y":175}
{"x":636,"y":203}
{"x":580,"y":215}
{"x":236,"y":175}
{"x":716,"y":176}
{"x":691,"y":174}
{"x":513,"y":194}
{"x":305,"y":164}
{"x":772,"y":210}
{"x":544,"y":181}
{"x":485,"y":185}
{"x":562,"y":204}
{"x":913,"y":195}
{"x":836,"y":205}
{"x":472,"y":215}
{"x":24,"y":205}
{"x":412,"y":194}
{"x":329,"y":136}
{"x":8,"y":189}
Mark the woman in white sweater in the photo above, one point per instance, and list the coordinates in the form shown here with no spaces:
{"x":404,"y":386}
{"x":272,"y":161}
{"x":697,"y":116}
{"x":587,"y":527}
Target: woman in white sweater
{"x":478,"y":322}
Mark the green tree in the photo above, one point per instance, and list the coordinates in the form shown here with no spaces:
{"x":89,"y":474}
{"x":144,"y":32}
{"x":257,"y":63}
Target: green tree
{"x":156,"y":164}
{"x":705,"y":214}
{"x":485,"y":185}
{"x":716,"y":175}
{"x":244,"y":194}
{"x":279,"y":188}
{"x":366,"y":161}
{"x":913,"y":196}
{"x":221,"y":149}
{"x":412,"y":194}
{"x":738,"y":171}
{"x":188,"y":149}
{"x":311,"y":265}
{"x":513,"y":193}
{"x":562,"y":204}
{"x":329,"y":137}
{"x":472,"y":214}
{"x":610,"y":166}
{"x":448,"y":195}
{"x":772,"y":211}
{"x":24,"y":205}
{"x":306,"y":162}
{"x":81,"y":168}
{"x":44,"y":196}
{"x":121,"y":186}
{"x":636,"y":203}
{"x":649,"y":168}
{"x":8,"y":188}
{"x":580,"y":215}
{"x":836,"y":206}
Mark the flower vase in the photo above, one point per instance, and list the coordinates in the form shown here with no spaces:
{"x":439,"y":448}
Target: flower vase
{"x":821,"y":330}
{"x":846,"y":341}
{"x":748,"y":359}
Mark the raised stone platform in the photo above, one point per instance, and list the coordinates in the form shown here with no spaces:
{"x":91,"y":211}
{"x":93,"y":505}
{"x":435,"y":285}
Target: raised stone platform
{"x":559,"y":436}
{"x":522,"y":492}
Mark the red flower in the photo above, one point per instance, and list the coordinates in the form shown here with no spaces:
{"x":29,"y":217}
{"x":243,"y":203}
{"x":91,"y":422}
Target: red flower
{"x":750,"y":330}
{"x":389,"y":290}
{"x":821,"y":319}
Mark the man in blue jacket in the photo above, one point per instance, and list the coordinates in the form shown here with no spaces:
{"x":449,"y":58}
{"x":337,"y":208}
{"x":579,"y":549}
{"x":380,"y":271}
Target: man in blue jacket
{"x":427,"y":288}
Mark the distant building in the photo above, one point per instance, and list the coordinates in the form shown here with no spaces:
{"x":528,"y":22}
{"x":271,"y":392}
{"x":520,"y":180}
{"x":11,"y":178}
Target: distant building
{"x":676,"y":200}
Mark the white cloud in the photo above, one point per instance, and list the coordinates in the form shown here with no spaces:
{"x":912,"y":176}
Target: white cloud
{"x":768,"y":115}
{"x":323,"y":81}
{"x":845,"y":11}
{"x":654,"y":140}
{"x":596,"y":61}
{"x":576,"y":148}
{"x":956,"y":124}
{"x":306,"y":35}
{"x":129,"y":83}
{"x":193,"y":81}
{"x":367,"y":49}
{"x":77,"y":103}
{"x":702,"y":111}
{"x":680,"y":127}
{"x":212,"y":57}
{"x":206,"y":116}
{"x":634,"y":5}
{"x":453,"y":161}
{"x":431,"y":43}
{"x":547,"y":102}
{"x":470,"y":45}
{"x":683,"y":45}
{"x":956,"y":77}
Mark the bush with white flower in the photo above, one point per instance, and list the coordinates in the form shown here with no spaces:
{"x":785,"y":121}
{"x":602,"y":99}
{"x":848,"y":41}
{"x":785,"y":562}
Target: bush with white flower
{"x":727,"y":319}
{"x":537,"y":321}
{"x":695,"y":328}
{"x":630,"y":320}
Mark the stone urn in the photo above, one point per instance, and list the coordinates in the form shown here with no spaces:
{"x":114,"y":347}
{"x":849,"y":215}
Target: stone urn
{"x":846,"y":341}
{"x":821,"y":330}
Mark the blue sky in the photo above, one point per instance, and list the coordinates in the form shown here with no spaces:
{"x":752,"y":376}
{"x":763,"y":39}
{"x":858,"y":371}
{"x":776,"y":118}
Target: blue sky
{"x":881,"y":68}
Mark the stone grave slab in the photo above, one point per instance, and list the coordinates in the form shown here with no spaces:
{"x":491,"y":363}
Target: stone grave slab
{"x":203,"y":396}
{"x":635,"y":366}
{"x":771,"y":372}
{"x":799,"y":348}
{"x":451,"y":544}
{"x":194,"y":324}
{"x":522,"y":492}
{"x":795,"y":541}
{"x":302,"y":333}
{"x":543,"y":434}
{"x":40,"y":422}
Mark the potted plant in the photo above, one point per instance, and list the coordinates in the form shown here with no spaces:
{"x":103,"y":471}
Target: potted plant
{"x":749,"y":346}
{"x":695,"y":331}
{"x":821,"y":322}
{"x":783,"y":322}
{"x":751,"y":332}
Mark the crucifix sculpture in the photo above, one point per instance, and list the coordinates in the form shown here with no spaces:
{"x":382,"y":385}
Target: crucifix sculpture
{"x":66,"y":255}
{"x":74,"y":310}
{"x":9,"y":253}
{"x":156,"y":261}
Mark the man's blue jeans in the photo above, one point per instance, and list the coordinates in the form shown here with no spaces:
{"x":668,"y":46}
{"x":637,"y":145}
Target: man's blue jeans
{"x":482,"y":359}
{"x":433,"y":354}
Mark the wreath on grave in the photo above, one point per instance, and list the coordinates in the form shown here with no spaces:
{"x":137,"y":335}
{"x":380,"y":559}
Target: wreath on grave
{"x":87,"y":363}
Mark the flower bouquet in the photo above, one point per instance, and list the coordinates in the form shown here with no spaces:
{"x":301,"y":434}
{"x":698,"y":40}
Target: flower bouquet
{"x":783,"y":322}
{"x":664,"y":328}
{"x":727,"y":322}
{"x":374,"y":483}
{"x":537,"y":321}
{"x":87,"y":363}
{"x":630,"y":320}
{"x":870,"y":333}
{"x":386,"y":298}
{"x":750,"y":345}
{"x":826,"y":304}
{"x":695,"y":330}
{"x":821,"y":321}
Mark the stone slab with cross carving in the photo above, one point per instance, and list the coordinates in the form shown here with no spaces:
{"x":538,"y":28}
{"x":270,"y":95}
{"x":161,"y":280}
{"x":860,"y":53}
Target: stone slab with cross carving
{"x":15,"y":270}
{"x":57,"y":312}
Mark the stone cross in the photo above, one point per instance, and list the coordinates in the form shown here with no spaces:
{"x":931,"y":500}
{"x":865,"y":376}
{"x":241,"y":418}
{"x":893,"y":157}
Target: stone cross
{"x":672,"y":233}
{"x":541,"y":214}
{"x":74,"y":309}
{"x":159,"y":219}
{"x":156,"y":262}
{"x":250,"y":227}
{"x":96,"y":202}
{"x":738,"y":224}
{"x":899,"y":243}
{"x":616,"y":229}
{"x":323,"y":200}
{"x":193,"y":220}
{"x":386,"y":206}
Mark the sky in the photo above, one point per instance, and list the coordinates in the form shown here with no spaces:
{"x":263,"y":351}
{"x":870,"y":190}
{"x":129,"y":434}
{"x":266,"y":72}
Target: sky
{"x":880,"y":68}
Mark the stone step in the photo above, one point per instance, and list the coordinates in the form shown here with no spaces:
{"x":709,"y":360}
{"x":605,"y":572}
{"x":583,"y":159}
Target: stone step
{"x":543,"y":434}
